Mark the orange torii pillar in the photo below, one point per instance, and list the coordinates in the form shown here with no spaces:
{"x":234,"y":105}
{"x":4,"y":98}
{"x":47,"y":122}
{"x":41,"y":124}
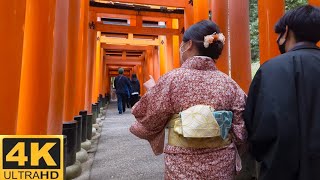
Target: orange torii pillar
{"x":140,"y":77}
{"x":163,"y":55}
{"x":240,"y":43}
{"x":145,"y":69}
{"x":200,"y":10}
{"x":12,"y":18}
{"x":90,"y":62}
{"x":36,"y":69}
{"x":103,"y":88}
{"x":156,"y":63}
{"x":315,"y":3}
{"x":82,"y":51}
{"x":188,"y":15}
{"x":60,"y":47}
{"x":102,"y":71}
{"x":79,"y":64}
{"x":169,"y":48}
{"x":97,"y":63}
{"x":135,"y":69}
{"x":270,"y":12}
{"x":220,"y":15}
{"x":108,"y":79}
{"x":70,"y":109}
{"x":176,"y":45}
{"x":150,"y":63}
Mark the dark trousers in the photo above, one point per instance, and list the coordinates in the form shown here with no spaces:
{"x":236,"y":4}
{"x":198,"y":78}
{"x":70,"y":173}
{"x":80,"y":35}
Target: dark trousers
{"x":134,"y":99}
{"x":121,"y":102}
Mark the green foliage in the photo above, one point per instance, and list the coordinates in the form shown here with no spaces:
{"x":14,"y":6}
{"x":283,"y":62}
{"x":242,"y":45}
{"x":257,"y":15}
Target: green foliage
{"x":291,"y":4}
{"x":254,"y":24}
{"x":254,"y":30}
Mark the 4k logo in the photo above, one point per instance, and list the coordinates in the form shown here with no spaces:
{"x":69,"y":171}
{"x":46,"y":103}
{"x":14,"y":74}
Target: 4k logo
{"x":31,"y":157}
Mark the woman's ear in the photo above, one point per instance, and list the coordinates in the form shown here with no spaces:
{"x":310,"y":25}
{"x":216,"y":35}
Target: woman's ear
{"x":189,"y":45}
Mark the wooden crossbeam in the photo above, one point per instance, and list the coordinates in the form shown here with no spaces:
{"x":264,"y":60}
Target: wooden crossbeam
{"x":133,"y":42}
{"x":125,"y":47}
{"x":127,"y":12}
{"x":120,"y":59}
{"x":120,"y":54}
{"x":115,"y":73}
{"x":166,"y":3}
{"x":124,"y":63}
{"x":122,"y":16}
{"x":135,"y":30}
{"x":117,"y":67}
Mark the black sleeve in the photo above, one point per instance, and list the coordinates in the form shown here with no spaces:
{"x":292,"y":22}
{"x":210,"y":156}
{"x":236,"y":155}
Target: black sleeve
{"x":260,"y":117}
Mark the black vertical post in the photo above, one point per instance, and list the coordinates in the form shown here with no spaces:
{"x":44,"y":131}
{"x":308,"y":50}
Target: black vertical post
{"x":89,"y":126}
{"x":84,"y":126}
{"x":79,"y":132}
{"x":70,"y":131}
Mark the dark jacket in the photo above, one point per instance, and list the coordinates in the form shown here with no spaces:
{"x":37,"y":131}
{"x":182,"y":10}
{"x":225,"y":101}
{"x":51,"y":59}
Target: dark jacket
{"x":122,"y":84}
{"x":283,"y":115}
{"x":135,"y":85}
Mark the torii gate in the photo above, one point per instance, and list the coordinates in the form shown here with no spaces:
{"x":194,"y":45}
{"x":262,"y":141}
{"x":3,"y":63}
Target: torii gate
{"x":36,"y":50}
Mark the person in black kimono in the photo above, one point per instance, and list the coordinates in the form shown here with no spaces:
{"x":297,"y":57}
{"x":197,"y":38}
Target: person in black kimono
{"x":283,"y":107}
{"x":135,"y":90}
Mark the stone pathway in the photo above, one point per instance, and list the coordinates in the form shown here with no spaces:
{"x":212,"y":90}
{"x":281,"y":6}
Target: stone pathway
{"x":121,"y":155}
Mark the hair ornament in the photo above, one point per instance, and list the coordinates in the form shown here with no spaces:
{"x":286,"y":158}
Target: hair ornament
{"x":209,"y":39}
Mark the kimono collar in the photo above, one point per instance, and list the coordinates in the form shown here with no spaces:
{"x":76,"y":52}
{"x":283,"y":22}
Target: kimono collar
{"x":304,"y":45}
{"x":203,"y":63}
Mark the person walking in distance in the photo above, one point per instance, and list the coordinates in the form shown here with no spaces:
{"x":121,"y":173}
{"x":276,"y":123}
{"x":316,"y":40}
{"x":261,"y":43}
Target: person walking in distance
{"x":121,"y":83}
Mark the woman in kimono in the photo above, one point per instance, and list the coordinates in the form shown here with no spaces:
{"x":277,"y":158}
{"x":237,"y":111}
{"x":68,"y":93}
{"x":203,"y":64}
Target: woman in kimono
{"x":197,"y":82}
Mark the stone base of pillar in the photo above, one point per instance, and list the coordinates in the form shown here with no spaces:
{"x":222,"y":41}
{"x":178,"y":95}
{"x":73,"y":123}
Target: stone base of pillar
{"x":96,"y":136}
{"x":94,"y":132}
{"x":73,"y":171}
{"x":86,"y":145}
{"x":82,"y":155}
{"x":102,"y":111}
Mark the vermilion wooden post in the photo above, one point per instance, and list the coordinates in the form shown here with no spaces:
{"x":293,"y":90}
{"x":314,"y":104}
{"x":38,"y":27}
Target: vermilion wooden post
{"x":60,"y":47}
{"x":101,"y":73}
{"x":70,"y":84}
{"x":315,"y":3}
{"x":240,"y":43}
{"x":83,"y":45}
{"x":156,"y":63}
{"x":97,"y":63}
{"x":35,"y":84}
{"x":140,"y":77}
{"x":90,"y":62}
{"x":150,"y":62}
{"x":163,"y":55}
{"x":188,"y":15}
{"x":107,"y":80}
{"x":220,"y":15}
{"x":176,"y":45}
{"x":270,"y":12}
{"x":200,"y":10}
{"x":12,"y":20}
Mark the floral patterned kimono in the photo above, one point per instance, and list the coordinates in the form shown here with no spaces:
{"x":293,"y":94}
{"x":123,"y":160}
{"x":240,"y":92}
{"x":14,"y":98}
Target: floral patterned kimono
{"x":198,"y":81}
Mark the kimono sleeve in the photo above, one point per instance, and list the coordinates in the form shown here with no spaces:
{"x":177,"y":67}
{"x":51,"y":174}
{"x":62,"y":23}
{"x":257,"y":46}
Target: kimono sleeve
{"x":152,"y":113}
{"x":238,"y":126}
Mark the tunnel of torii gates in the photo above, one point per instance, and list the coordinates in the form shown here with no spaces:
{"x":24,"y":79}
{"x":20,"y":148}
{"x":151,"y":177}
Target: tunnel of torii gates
{"x":58,"y":56}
